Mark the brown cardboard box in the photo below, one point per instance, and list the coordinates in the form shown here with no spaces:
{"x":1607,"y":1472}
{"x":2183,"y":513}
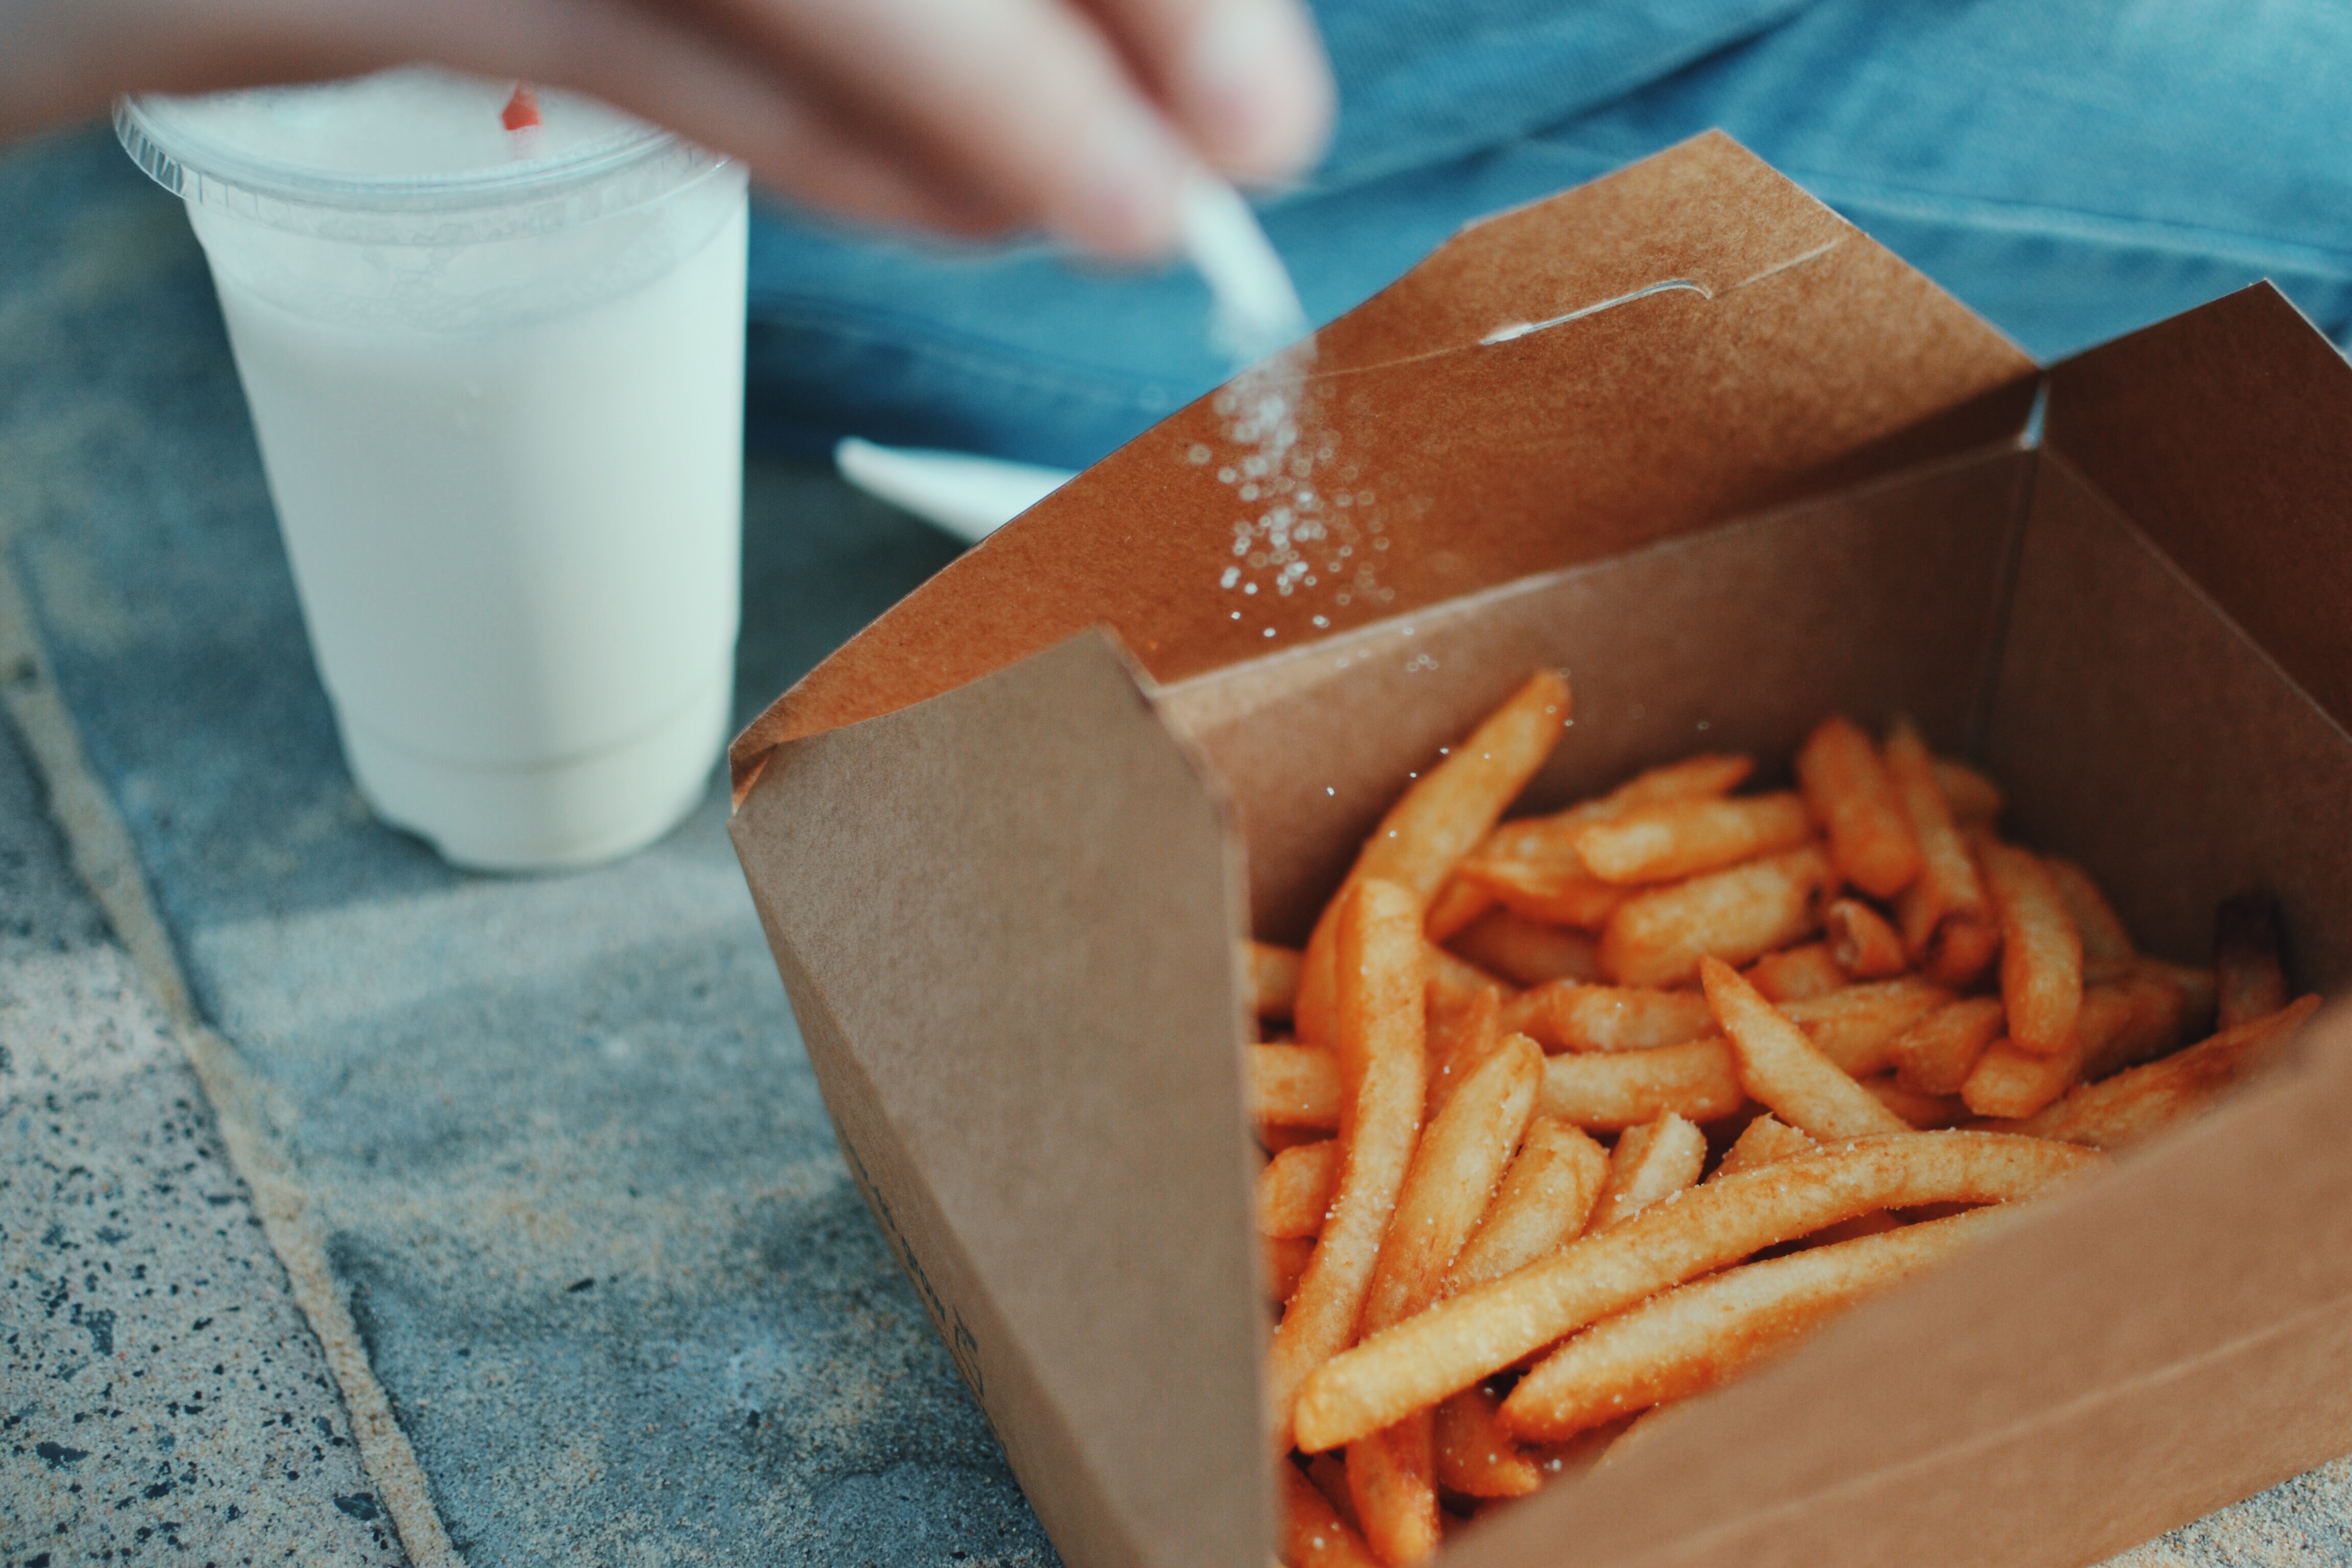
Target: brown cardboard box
{"x":1000,"y":854}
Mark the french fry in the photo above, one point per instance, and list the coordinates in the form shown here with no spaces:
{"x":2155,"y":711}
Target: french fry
{"x":1785,"y":1070}
{"x":1292,"y":1086}
{"x":1946,"y":919}
{"x":1273,"y":979}
{"x":1651,"y":1162}
{"x":1313,"y":1534}
{"x":1392,"y":1481}
{"x":1796,"y":973}
{"x":1328,"y":1473}
{"x":1608,"y":1091}
{"x":1846,"y":786}
{"x":1857,"y":1026}
{"x":1476,"y":1458}
{"x":1702,"y":1334}
{"x":2122,"y":1022}
{"x":1458,"y":1042}
{"x":1454,"y":982}
{"x":2137,"y":1104}
{"x":1286,"y":1259}
{"x":1379,"y":1023}
{"x":2251,"y":979}
{"x":1922,"y":1112}
{"x":1974,"y":799}
{"x":1935,"y":1053}
{"x":1294,"y":1189}
{"x":1529,"y":1013}
{"x":2040,"y":954}
{"x":2200,"y":998}
{"x":2171,"y":1007}
{"x":2107,"y":950}
{"x":1456,"y":905}
{"x":1657,"y":937}
{"x":1526,"y":952}
{"x":1760,"y":1143}
{"x":1626,"y":1019}
{"x":1551,"y":892}
{"x":1544,"y":1201}
{"x":1438,"y":821}
{"x":1674,"y":839}
{"x":1477,"y":1333}
{"x":1861,"y":940}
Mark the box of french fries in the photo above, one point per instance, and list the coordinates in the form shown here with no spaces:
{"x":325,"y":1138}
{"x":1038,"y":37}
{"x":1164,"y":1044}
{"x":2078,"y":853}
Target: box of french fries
{"x":1668,"y":910}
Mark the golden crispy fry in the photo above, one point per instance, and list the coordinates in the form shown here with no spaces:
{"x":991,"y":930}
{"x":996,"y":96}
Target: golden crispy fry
{"x":1787,"y":1071}
{"x":2041,"y":955}
{"x":1529,"y":1013}
{"x":1626,"y":1019}
{"x":1295,"y":1187}
{"x":2107,"y":949}
{"x":1438,"y":821}
{"x":1479,"y":1333}
{"x":1851,"y":796}
{"x":1651,"y":1162}
{"x":1526,"y":952}
{"x":1313,"y":1534}
{"x":2120,"y":1022}
{"x":1544,"y":1201}
{"x":1763,"y":1140}
{"x":1550,"y":892}
{"x":1456,"y":905}
{"x":1863,"y":945}
{"x":1796,"y":973}
{"x":1292,"y":1086}
{"x":1608,"y":1091}
{"x":1454,"y":982}
{"x":1392,"y":1481}
{"x":1458,"y":1042}
{"x":1454,"y":1172}
{"x":1691,"y":1338}
{"x":1674,"y":839}
{"x":1273,"y":980}
{"x":2252,"y":981}
{"x":2146,"y":1101}
{"x":1379,"y":1029}
{"x":1935,"y":1055}
{"x":1857,"y":1027}
{"x":1961,"y":953}
{"x":2171,"y":1008}
{"x":1974,"y":799}
{"x":1286,"y":1258}
{"x":1474,"y":1456}
{"x":1657,"y":937}
{"x":1925,"y":1112}
{"x":1949,"y":893}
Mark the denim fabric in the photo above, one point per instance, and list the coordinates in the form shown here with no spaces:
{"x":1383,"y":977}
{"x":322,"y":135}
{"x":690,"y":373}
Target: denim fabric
{"x":2071,"y":171}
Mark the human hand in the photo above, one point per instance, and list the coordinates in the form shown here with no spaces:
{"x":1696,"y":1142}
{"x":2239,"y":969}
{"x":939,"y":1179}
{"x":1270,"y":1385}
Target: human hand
{"x":966,"y":117}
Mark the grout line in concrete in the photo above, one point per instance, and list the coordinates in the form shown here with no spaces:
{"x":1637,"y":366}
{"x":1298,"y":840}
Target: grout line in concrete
{"x":102,"y":856}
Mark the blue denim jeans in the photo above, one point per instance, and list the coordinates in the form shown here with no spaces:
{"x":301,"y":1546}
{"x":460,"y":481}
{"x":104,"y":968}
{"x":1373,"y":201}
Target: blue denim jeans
{"x":2070,"y":170}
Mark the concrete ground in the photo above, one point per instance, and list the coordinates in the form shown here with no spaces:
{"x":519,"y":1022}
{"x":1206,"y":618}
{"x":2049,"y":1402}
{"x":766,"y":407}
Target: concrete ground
{"x":424,"y":1214}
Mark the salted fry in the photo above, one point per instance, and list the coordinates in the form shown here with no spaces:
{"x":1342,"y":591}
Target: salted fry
{"x":2144,"y":1101}
{"x":1313,"y":1534}
{"x":1285,"y":1263}
{"x":1295,"y":1187}
{"x":1608,"y":1091}
{"x":1292,"y":1086}
{"x":2171,"y":1006}
{"x":2107,"y":949}
{"x":1477,"y":1333}
{"x":1626,"y":1019}
{"x":2120,"y":1022}
{"x":1651,"y":1162}
{"x":1456,"y":905}
{"x":2252,"y":980}
{"x":1760,"y":1143}
{"x":1476,"y":1458}
{"x":1526,"y":952}
{"x":1455,"y":982}
{"x":1796,"y":973}
{"x":1861,"y":940}
{"x":1273,"y":980}
{"x":1946,"y":922}
{"x":1458,"y":1042}
{"x":1379,"y":1025}
{"x":1674,"y":839}
{"x":1551,"y":892}
{"x":1438,"y":821}
{"x":1529,"y":1013}
{"x":1923,"y":1113}
{"x":1975,"y":800}
{"x":1936,"y":1053}
{"x":1846,"y":786}
{"x":1392,"y":1481}
{"x":1785,"y":1070}
{"x":2040,"y":954}
{"x":1857,"y":1026}
{"x":1691,"y":1338}
{"x":1657,"y":937}
{"x":1545,"y":1199}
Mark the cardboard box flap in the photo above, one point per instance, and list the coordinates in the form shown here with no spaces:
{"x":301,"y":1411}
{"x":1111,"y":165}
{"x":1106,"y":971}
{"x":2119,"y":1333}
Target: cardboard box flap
{"x":1686,"y":340}
{"x":2225,"y":433}
{"x":1007,"y":917}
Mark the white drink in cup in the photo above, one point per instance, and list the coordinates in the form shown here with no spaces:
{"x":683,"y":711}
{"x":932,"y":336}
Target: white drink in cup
{"x":498,"y":379}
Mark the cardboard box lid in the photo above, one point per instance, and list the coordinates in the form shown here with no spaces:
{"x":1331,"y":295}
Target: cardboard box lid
{"x":1709,"y":339}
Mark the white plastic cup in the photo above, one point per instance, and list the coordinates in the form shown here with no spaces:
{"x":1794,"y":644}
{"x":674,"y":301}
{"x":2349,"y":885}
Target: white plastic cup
{"x":497,"y":383}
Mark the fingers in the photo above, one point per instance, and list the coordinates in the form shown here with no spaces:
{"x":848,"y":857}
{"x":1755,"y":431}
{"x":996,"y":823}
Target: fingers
{"x":1246,"y":80}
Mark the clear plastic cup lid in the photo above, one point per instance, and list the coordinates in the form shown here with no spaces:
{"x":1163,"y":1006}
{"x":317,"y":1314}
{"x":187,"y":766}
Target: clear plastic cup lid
{"x":404,"y":155}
